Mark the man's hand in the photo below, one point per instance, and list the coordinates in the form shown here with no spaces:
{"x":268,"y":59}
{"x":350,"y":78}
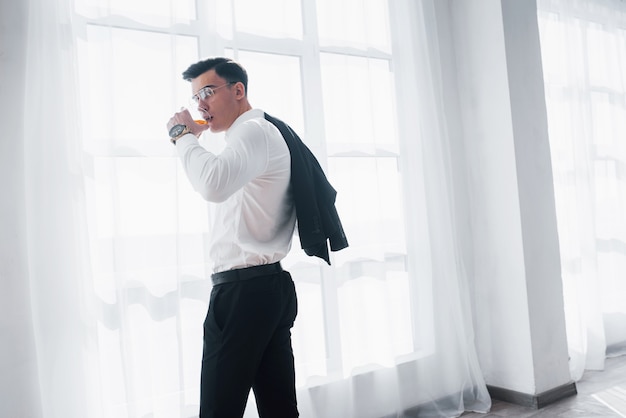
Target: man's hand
{"x":183,"y":117}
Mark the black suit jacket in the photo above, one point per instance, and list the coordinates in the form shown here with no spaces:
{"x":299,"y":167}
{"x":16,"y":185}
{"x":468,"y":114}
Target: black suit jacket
{"x":314,"y":197}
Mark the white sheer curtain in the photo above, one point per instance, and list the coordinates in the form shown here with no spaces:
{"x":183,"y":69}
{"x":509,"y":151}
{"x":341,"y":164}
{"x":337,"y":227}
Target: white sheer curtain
{"x":584,"y":56}
{"x":116,"y":264}
{"x":54,"y":215}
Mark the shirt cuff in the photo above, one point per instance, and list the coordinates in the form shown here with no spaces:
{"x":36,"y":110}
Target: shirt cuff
{"x":185,"y":141}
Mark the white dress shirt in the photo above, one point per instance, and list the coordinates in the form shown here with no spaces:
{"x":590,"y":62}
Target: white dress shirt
{"x":255,"y":218}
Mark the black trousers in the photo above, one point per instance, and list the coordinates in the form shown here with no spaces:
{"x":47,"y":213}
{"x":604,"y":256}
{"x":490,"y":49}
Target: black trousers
{"x":247,"y":344}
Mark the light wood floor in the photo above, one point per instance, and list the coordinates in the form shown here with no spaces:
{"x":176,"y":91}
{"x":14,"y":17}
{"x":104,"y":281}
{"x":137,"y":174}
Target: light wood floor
{"x":601,"y":394}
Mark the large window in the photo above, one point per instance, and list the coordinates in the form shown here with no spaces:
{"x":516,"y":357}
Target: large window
{"x":584,"y":59}
{"x":326,"y":68}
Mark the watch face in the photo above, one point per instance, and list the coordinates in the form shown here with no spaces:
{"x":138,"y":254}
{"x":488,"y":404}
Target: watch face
{"x":176,"y":130}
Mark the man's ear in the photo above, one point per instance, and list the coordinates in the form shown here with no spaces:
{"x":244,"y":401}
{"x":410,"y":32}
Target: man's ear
{"x":240,"y":90}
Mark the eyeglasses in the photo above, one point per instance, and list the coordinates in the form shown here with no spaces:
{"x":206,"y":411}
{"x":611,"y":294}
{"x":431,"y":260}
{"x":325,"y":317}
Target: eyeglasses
{"x":207,"y":91}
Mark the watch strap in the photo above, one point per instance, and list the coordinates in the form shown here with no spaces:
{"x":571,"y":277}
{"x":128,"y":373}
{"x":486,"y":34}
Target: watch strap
{"x":180,"y":135}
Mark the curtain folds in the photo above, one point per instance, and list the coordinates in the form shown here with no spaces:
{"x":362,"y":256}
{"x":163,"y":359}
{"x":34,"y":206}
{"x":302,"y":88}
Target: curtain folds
{"x":55,"y":215}
{"x":584,"y":58}
{"x":114,"y":236}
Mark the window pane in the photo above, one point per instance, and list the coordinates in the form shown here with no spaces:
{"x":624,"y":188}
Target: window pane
{"x":125,"y":81}
{"x":358,"y":104}
{"x":151,"y":12}
{"x":608,"y":122}
{"x":553,"y":43}
{"x":152,"y":369}
{"x":359,"y":24}
{"x":272,"y":18}
{"x":601,"y":51}
{"x":369,"y":200}
{"x":308,"y":335}
{"x":275,"y":85}
{"x":367,"y":308}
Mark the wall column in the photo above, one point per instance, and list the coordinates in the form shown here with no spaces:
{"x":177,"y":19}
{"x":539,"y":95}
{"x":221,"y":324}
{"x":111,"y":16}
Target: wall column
{"x":513,"y":252}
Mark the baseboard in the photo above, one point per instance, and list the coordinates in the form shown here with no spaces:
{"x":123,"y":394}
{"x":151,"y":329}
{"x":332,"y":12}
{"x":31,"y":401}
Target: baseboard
{"x":533,"y":401}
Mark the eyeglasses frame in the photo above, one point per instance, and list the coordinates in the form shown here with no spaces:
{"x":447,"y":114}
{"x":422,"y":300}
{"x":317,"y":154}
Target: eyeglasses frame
{"x":208,"y":91}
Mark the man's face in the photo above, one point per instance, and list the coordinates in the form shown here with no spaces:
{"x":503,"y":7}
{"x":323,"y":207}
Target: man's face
{"x":222,"y":107}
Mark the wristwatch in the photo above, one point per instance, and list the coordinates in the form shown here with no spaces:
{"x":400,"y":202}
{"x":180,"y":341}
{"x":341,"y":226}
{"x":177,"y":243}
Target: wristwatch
{"x":177,"y":131}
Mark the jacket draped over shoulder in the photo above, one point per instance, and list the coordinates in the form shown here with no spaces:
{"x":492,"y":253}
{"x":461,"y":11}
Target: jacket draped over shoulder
{"x":318,"y":221}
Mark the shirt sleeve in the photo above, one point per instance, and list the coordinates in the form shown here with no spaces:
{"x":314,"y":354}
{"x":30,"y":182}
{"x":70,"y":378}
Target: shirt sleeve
{"x":217,"y":177}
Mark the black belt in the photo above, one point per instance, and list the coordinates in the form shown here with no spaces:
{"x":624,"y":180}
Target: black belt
{"x":246,"y":273}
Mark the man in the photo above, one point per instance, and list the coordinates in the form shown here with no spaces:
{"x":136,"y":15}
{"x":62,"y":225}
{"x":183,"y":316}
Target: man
{"x":247,"y":337}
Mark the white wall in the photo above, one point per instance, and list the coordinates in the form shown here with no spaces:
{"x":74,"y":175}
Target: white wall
{"x":492,"y":62}
{"x":19,"y":387}
{"x":536,"y":195}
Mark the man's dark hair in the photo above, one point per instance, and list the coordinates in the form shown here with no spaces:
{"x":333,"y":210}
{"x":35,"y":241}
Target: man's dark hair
{"x":226,"y":68}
